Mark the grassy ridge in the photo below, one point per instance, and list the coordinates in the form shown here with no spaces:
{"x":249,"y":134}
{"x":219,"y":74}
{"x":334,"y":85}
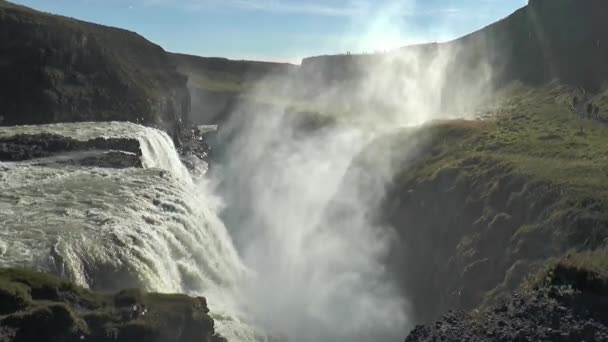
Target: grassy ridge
{"x":486,"y":202}
{"x":221,"y":74}
{"x":532,"y":135}
{"x":533,"y":132}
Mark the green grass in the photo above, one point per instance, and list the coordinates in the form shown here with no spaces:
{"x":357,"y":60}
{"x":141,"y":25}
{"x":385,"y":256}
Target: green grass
{"x":585,"y":271}
{"x":593,"y":261}
{"x":532,"y":133}
{"x":528,"y":160}
{"x":534,"y":137}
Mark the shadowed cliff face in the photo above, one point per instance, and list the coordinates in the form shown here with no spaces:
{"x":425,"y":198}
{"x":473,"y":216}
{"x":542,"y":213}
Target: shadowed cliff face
{"x":56,"y":69}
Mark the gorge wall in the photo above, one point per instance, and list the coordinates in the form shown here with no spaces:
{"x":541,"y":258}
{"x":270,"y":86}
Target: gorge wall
{"x":219,"y":85}
{"x":468,"y":234}
{"x":58,"y":69}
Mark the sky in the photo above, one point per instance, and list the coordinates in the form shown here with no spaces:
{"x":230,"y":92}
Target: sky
{"x":286,"y":30}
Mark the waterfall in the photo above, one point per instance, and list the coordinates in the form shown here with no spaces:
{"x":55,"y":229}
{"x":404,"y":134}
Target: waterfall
{"x":159,"y":152}
{"x":110,"y":229}
{"x":156,"y":146}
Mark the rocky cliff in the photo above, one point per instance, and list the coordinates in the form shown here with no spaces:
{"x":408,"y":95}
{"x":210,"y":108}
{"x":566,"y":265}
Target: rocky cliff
{"x":58,"y":69}
{"x":566,"y":302}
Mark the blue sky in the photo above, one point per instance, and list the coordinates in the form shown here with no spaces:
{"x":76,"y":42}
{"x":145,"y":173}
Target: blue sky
{"x":286,"y":30}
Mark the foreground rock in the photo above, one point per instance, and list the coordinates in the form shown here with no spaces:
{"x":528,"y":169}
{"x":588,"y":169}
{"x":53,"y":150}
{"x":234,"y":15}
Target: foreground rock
{"x":548,"y":315}
{"x":36,"y":307}
{"x":570,"y":305}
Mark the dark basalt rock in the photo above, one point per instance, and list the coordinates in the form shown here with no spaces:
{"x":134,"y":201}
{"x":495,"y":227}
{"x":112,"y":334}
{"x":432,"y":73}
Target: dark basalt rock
{"x":25,"y":147}
{"x":105,"y":152}
{"x":39,"y":307}
{"x":112,"y":152}
{"x":109,"y":159}
{"x":193,"y":149}
{"x":548,"y":314}
{"x":567,"y":302}
{"x":112,"y":159}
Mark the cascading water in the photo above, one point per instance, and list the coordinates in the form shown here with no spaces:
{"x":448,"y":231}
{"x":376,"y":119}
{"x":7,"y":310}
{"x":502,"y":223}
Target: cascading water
{"x":116,"y":228}
{"x":156,"y":146}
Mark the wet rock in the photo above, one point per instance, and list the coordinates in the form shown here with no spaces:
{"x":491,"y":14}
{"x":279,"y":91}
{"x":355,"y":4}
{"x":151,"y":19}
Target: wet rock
{"x":545,"y":314}
{"x":57,"y":149}
{"x":113,"y":159}
{"x":194,"y":150}
{"x":55,"y":310}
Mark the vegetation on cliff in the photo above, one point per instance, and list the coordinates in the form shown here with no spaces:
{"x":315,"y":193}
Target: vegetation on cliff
{"x":486,"y":202}
{"x":566,"y":301}
{"x":35,"y":306}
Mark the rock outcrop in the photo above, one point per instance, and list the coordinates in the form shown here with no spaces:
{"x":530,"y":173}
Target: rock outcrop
{"x":36,"y":307}
{"x":568,"y":304}
{"x":550,"y":314}
{"x":56,"y":149}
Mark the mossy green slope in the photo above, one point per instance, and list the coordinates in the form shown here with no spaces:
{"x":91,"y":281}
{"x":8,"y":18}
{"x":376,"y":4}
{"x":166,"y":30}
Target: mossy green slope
{"x":39,"y":307}
{"x":487,"y":201}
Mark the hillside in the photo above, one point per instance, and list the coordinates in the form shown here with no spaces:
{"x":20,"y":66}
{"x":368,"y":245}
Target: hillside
{"x":217,"y":85}
{"x":480,"y":206}
{"x":223,"y":74}
{"x":546,"y":40}
{"x":58,"y":69}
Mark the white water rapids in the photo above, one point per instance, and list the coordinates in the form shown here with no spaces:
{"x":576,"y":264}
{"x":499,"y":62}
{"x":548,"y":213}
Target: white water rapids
{"x":114,"y":228}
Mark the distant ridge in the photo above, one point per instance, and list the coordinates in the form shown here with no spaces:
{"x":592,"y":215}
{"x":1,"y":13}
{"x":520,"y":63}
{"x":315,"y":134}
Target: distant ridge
{"x":545,"y":40}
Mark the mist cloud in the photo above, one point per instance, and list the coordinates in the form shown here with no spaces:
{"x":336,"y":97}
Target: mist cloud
{"x":301,"y":207}
{"x":302,"y":210}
